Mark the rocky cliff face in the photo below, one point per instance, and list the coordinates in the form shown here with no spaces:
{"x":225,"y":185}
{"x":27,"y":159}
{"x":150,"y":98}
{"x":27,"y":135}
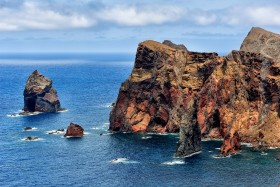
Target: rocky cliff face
{"x":39,"y":94}
{"x":201,"y":94}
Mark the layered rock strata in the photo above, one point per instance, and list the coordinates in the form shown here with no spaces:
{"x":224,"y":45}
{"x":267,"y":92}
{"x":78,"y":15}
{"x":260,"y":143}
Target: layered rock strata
{"x":39,"y":94}
{"x":235,"y":98}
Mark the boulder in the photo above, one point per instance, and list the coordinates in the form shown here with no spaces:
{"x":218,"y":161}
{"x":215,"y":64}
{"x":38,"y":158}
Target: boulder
{"x":39,"y":95}
{"x":74,"y":130}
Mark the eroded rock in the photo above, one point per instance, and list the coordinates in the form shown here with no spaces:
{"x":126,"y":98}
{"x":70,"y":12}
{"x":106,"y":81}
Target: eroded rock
{"x":39,"y":95}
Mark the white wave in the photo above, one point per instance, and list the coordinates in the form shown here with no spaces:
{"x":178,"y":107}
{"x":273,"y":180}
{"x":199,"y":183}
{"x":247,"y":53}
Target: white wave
{"x":173,"y":162}
{"x":64,"y":110}
{"x":263,"y":153}
{"x":218,"y":148}
{"x":217,"y":156}
{"x":22,"y":114}
{"x":32,"y":129}
{"x":210,"y":151}
{"x":246,"y":144}
{"x":210,"y":139}
{"x":55,"y":132}
{"x":123,"y":160}
{"x":273,"y":147}
{"x":106,"y":105}
{"x":106,"y":123}
{"x":13,"y":115}
{"x":146,"y":137}
{"x":95,"y":128}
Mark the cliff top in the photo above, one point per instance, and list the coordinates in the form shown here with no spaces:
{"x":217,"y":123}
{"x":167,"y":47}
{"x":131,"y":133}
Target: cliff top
{"x":153,"y":45}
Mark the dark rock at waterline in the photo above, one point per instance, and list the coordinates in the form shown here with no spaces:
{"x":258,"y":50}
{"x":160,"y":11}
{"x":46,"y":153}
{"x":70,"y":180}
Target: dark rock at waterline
{"x":27,"y":128}
{"x":39,"y":95}
{"x":74,"y":130}
{"x":31,"y":138}
{"x":56,"y":131}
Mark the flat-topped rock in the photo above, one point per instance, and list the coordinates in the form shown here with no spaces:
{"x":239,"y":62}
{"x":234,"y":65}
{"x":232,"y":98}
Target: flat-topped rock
{"x":40,"y":95}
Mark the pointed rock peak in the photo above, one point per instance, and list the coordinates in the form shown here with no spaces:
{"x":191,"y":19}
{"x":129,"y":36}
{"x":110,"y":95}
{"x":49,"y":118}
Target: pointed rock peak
{"x":262,"y":41}
{"x":174,"y":46}
{"x":36,"y":72}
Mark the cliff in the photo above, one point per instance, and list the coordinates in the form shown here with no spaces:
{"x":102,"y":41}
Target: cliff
{"x":39,"y":94}
{"x":235,"y":97}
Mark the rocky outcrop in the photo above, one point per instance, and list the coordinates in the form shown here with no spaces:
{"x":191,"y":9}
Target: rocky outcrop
{"x":261,"y":41}
{"x":39,"y":94}
{"x":235,"y":98}
{"x":174,"y":46}
{"x":74,"y":130}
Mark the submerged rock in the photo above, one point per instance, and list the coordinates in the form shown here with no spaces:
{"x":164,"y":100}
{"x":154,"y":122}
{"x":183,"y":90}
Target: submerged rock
{"x":39,"y":95}
{"x":27,"y":128}
{"x":31,"y":138}
{"x":57,"y":131}
{"x":74,"y":130}
{"x":235,"y":97}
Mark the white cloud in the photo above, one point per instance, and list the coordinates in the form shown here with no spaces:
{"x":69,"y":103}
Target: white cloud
{"x":32,"y":16}
{"x":251,"y":15}
{"x":201,"y":17}
{"x":140,"y":16}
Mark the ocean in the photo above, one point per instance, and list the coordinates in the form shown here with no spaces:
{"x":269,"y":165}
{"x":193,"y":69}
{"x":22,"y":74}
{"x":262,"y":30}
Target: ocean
{"x":87,"y":85}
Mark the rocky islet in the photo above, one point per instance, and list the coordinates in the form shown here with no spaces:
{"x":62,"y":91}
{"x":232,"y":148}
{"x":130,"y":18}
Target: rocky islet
{"x":40,"y":95}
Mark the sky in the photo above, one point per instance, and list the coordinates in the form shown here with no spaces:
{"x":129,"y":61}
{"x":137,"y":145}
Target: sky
{"x":94,"y":26}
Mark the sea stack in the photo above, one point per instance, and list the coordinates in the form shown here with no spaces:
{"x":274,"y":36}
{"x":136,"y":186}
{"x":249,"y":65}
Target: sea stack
{"x":40,"y":95}
{"x":74,"y":130}
{"x":234,"y":97}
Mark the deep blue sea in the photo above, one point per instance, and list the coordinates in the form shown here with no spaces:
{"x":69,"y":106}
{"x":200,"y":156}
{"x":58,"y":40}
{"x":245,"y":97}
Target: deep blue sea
{"x":87,"y":84}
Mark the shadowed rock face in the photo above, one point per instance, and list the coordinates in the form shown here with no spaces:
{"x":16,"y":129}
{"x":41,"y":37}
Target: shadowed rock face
{"x":39,"y":95}
{"x":235,"y":97}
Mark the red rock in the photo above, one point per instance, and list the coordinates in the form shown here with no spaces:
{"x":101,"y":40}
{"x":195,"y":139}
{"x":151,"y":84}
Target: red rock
{"x":74,"y":130}
{"x":233,"y":97}
{"x":231,"y":145}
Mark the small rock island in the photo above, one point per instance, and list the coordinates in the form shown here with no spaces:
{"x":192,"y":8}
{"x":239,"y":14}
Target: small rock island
{"x":40,"y":95}
{"x":202,"y":95}
{"x":74,"y":130}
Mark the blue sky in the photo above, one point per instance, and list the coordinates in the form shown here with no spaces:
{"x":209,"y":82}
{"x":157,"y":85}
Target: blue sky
{"x":118,"y":26}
